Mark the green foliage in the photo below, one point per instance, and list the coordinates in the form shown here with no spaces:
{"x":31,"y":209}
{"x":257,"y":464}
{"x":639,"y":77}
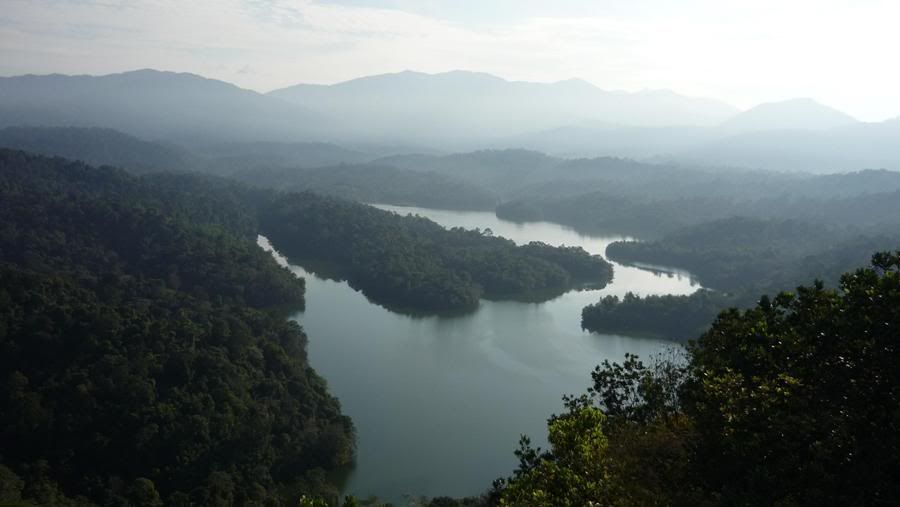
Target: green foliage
{"x":414,"y":264}
{"x":11,"y":486}
{"x":745,"y":257}
{"x":835,"y":221}
{"x":731,"y":253}
{"x":573,"y":473}
{"x":142,"y":359}
{"x":312,"y":502}
{"x":673,"y":317}
{"x":792,"y":402}
{"x":651,"y":201}
{"x":800,"y":394}
{"x":635,"y":392}
{"x":97,"y":146}
{"x":443,"y":501}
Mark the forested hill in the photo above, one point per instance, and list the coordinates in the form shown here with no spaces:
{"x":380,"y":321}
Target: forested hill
{"x":389,"y":270}
{"x":145,"y":358}
{"x":98,"y":146}
{"x":413,"y":264}
{"x":791,"y":402}
{"x":740,"y":258}
{"x":737,"y":252}
{"x":318,"y":167}
{"x":142,"y":359}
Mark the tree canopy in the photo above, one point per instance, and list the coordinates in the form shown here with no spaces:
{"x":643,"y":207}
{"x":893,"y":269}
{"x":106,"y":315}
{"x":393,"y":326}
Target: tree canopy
{"x":791,"y":402}
{"x":411,"y":263}
{"x":144,"y":356}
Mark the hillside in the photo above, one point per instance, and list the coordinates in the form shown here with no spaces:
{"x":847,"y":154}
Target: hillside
{"x":412,"y":112}
{"x":141,"y":319}
{"x":411,"y":264}
{"x":98,"y":146}
{"x":102,"y":146}
{"x":737,"y":417}
{"x":732,"y":253}
{"x":154,"y":105}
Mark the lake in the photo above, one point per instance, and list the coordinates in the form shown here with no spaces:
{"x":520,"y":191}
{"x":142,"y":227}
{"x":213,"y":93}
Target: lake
{"x":439,"y":403}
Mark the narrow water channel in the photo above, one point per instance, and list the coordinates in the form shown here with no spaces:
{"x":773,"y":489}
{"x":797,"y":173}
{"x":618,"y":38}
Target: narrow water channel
{"x":439,"y":402}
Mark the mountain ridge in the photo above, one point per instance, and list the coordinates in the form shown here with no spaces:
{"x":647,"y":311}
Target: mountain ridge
{"x":154,"y":105}
{"x":801,"y":113}
{"x":471,"y":107}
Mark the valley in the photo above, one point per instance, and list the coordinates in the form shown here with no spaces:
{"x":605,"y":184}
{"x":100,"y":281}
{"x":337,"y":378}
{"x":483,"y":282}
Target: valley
{"x":381,"y":253}
{"x":439,"y":402}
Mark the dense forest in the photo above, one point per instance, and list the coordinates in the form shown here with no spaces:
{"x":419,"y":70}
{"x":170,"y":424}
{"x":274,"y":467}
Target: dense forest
{"x":653,"y":203}
{"x":172,"y":321}
{"x":144,"y":354}
{"x":790,"y":402}
{"x":98,"y":146}
{"x":466,"y":267}
{"x":152,"y":354}
{"x":143,"y":306}
{"x":319,"y":167}
{"x":729,"y":228}
{"x":671,"y":317}
{"x":596,"y":195}
{"x":739,"y":259}
{"x":732,"y":253}
{"x":410,"y":263}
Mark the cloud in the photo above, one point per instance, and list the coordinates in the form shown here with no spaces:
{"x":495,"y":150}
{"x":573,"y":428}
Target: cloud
{"x":743,"y":51}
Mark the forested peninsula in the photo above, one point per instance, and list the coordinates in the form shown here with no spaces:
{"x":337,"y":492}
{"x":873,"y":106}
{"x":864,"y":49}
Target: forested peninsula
{"x":411,"y":263}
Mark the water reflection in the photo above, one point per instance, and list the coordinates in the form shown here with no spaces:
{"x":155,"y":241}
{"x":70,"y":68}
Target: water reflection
{"x":439,"y":402}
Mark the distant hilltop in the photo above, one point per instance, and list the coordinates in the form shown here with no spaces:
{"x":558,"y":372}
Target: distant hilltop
{"x":458,"y":111}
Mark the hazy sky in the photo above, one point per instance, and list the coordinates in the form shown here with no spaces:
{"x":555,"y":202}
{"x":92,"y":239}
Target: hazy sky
{"x":843,"y":53}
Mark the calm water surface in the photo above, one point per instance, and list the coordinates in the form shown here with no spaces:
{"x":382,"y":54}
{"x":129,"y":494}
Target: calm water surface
{"x":439,"y":402}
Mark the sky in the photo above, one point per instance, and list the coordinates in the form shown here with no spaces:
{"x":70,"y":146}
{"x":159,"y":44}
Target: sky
{"x":842,"y":53}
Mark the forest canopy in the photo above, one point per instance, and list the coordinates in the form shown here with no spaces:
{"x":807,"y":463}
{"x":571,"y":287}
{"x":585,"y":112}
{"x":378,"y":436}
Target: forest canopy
{"x":411,"y":263}
{"x":791,"y":402}
{"x":739,"y":259}
{"x":144,"y":356}
{"x":140,"y":318}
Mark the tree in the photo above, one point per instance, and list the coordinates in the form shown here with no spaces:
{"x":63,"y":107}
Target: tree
{"x":795,"y":400}
{"x":792,"y":402}
{"x":573,"y":473}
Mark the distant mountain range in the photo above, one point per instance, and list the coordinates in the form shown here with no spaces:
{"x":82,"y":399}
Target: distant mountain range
{"x":153,"y":104}
{"x":528,"y":185}
{"x":794,"y":135}
{"x":465,"y":107}
{"x":795,"y":114}
{"x":850,"y":148}
{"x":455,"y":111}
{"x":98,"y":146}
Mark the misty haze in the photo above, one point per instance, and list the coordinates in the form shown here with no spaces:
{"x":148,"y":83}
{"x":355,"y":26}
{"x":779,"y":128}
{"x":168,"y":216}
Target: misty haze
{"x":509,"y":253}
